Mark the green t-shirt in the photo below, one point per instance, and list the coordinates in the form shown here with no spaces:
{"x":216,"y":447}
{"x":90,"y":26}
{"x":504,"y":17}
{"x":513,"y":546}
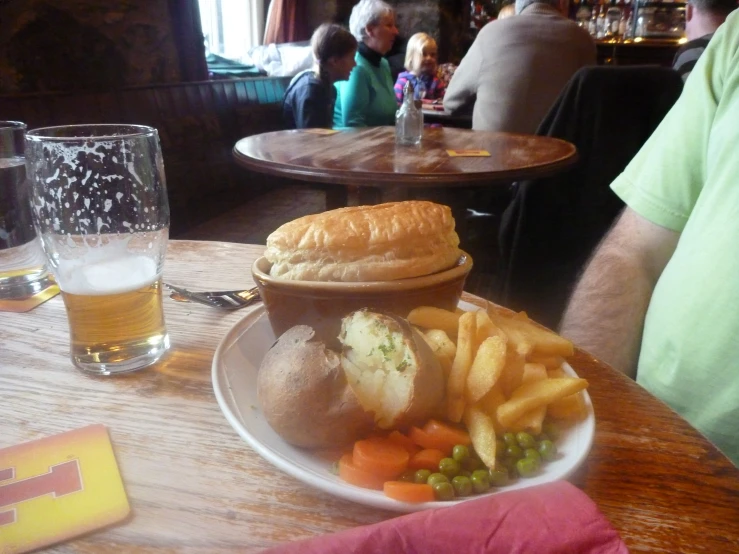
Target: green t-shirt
{"x":367,"y":99}
{"x":686,"y":178}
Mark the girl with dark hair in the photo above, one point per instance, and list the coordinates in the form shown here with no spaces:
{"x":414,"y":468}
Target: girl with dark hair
{"x":310,"y":97}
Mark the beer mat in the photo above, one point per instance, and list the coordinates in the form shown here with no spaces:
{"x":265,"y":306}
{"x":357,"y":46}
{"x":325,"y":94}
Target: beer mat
{"x":468,"y":153}
{"x":321,"y":131}
{"x":30,"y":302}
{"x":58,"y":487}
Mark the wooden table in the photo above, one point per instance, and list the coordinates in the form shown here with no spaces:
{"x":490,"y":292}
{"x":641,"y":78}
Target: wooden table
{"x":194,"y":485}
{"x":369,"y":158}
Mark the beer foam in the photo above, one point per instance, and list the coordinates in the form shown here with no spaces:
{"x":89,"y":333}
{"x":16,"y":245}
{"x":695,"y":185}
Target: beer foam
{"x":107,"y":276}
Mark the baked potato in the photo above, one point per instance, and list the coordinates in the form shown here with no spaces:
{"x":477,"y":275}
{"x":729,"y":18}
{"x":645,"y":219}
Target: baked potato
{"x":391,"y":368}
{"x":304,"y":394}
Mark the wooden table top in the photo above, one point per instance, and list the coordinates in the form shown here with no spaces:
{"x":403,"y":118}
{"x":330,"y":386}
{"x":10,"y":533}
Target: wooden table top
{"x":369,"y":157}
{"x":194,"y":485}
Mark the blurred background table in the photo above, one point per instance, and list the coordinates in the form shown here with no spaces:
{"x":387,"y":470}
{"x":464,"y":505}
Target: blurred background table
{"x":195,"y":486}
{"x":369,"y":158}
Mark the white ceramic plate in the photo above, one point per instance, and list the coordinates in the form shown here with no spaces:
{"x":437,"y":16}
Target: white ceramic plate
{"x":235,"y":367}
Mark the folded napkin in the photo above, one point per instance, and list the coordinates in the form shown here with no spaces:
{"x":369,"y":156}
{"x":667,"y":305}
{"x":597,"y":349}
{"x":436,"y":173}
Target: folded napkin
{"x":546,"y":519}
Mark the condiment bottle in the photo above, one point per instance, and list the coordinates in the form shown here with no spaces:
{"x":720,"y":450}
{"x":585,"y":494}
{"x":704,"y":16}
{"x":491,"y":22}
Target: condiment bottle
{"x":408,"y":118}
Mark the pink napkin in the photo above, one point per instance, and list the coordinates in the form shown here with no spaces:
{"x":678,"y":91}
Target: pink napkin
{"x":547,"y":519}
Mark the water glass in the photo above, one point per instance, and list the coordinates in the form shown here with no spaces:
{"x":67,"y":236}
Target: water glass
{"x":22,"y":263}
{"x":99,"y":200}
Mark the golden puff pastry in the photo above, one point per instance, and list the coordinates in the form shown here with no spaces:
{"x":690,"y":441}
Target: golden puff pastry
{"x":385,"y":242}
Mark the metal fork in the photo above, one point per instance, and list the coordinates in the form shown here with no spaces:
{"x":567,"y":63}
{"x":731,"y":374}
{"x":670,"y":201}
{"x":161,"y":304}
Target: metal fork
{"x":224,"y":299}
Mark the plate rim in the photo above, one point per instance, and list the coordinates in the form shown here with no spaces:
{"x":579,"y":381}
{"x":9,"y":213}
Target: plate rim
{"x":347,"y":491}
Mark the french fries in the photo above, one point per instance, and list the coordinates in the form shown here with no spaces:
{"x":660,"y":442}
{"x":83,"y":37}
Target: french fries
{"x":482,"y":432}
{"x":466,"y":348}
{"x":435,"y":318}
{"x":504,"y":373}
{"x":533,"y":395}
{"x":486,"y":368}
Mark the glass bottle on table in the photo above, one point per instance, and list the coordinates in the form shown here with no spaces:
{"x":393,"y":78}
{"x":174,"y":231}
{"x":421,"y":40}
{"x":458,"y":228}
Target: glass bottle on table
{"x":408,"y":118}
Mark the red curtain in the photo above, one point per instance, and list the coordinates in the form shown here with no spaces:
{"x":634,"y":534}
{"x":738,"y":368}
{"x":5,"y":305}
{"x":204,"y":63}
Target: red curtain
{"x":287,"y":22}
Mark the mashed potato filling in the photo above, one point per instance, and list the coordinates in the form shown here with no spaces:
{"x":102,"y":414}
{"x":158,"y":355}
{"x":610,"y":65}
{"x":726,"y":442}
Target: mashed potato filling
{"x":380,"y":364}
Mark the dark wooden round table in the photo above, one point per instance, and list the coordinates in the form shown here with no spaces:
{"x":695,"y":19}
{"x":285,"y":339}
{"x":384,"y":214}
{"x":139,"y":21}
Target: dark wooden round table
{"x":370,"y":159}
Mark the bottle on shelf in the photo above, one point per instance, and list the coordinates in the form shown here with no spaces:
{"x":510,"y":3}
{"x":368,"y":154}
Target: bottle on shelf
{"x":593,"y":23}
{"x":625,"y":23}
{"x":613,"y":16}
{"x":601,"y":26}
{"x":408,"y":118}
{"x":582,"y":15}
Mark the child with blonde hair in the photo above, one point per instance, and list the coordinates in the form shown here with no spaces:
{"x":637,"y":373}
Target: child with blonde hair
{"x":421,"y":63}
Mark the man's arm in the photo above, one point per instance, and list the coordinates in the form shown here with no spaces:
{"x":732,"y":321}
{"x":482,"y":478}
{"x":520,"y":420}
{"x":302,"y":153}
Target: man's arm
{"x":606,"y":313}
{"x":463,"y":85}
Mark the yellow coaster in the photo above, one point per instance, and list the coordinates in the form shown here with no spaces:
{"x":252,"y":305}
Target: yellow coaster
{"x":29,"y":303}
{"x":467,"y":153}
{"x":58,"y":487}
{"x":321,"y":131}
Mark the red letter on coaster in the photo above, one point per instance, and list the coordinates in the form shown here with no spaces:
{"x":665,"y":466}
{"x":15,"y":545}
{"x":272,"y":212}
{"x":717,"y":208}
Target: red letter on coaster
{"x":62,"y":479}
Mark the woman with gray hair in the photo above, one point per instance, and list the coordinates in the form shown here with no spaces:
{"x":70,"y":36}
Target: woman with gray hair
{"x":367,"y":98}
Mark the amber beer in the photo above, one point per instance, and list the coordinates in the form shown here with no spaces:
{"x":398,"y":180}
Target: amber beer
{"x":115,"y":319}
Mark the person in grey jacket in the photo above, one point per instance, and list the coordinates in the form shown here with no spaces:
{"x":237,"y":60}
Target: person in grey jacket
{"x":517,"y":67}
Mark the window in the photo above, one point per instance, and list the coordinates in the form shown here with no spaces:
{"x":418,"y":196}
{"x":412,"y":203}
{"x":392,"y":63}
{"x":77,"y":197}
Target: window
{"x":232,"y":27}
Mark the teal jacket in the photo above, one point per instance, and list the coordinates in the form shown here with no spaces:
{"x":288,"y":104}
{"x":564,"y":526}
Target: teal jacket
{"x":367,"y":99}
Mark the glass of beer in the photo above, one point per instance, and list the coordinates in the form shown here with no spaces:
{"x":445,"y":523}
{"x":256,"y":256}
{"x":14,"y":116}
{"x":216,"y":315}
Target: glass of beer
{"x":99,"y":201}
{"x":22,"y":262}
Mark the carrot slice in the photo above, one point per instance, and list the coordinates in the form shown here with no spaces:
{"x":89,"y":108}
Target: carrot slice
{"x":427,"y":458}
{"x":380,"y":457}
{"x":408,"y":492}
{"x":355,"y":476}
{"x":447,"y":433}
{"x":399,"y":438}
{"x":424,"y":440}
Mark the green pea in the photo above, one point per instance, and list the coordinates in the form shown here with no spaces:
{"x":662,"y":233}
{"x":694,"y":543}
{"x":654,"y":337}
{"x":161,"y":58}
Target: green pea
{"x":421,"y":476}
{"x":548,"y":450}
{"x":471,"y":464}
{"x":480,"y":481}
{"x":525,"y":440}
{"x":532,"y":453}
{"x":449,"y":467}
{"x":462,"y":485}
{"x":465,"y":473}
{"x":551,"y":430}
{"x":408,"y":476}
{"x":498,"y":477}
{"x":500,"y":447}
{"x":527,"y":467}
{"x":436,"y":478}
{"x":514,"y":451}
{"x":509,"y":439}
{"x":443,"y":491}
{"x":460,"y":453}
{"x":510,"y":465}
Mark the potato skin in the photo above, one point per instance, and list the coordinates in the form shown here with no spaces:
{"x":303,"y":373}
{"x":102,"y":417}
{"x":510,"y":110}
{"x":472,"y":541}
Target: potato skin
{"x":304,"y":395}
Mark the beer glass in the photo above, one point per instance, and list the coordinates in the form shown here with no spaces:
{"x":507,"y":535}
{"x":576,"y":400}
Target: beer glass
{"x":22,"y":263}
{"x":99,"y":201}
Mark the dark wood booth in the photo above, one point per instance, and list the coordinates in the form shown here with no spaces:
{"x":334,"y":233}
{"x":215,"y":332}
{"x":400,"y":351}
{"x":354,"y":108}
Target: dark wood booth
{"x":198,"y":123}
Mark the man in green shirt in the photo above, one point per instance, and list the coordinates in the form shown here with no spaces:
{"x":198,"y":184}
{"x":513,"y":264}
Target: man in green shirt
{"x":660,"y":298}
